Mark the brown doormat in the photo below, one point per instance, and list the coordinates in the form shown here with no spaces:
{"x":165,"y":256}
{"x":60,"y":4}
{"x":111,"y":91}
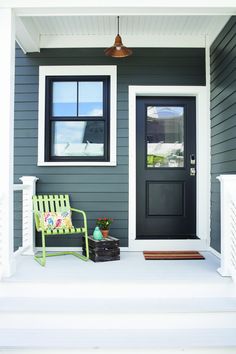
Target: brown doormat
{"x":158,"y":255}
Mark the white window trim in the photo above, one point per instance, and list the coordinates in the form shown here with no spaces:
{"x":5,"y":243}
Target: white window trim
{"x":203,"y":168}
{"x":77,"y":70}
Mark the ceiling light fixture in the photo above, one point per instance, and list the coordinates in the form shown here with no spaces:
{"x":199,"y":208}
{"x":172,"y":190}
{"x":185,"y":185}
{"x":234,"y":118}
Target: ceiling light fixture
{"x":118,"y":50}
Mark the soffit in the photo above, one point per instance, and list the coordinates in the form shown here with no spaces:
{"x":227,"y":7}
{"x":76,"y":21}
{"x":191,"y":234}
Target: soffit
{"x":140,"y":31}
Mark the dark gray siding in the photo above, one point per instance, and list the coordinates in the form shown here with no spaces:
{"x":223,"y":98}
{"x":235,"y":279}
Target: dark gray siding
{"x":101,"y":191}
{"x":17,"y":219}
{"x":223,"y":118}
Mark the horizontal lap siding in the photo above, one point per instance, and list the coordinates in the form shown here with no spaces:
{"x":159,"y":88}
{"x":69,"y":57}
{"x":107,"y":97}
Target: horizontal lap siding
{"x":223,"y":118}
{"x":17,"y":220}
{"x":100,"y":191}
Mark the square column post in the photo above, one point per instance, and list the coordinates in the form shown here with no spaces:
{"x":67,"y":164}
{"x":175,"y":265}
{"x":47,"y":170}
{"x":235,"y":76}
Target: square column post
{"x":28,"y":228}
{"x":7,"y":78}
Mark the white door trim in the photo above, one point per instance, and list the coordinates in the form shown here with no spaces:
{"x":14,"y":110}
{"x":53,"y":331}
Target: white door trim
{"x":203,"y":167}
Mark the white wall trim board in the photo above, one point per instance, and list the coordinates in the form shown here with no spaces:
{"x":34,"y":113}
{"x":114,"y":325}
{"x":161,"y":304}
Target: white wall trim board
{"x":76,"y":249}
{"x":203,"y":167}
{"x":135,"y":41}
{"x":80,"y":70}
{"x":213,"y":251}
{"x":208,"y":130}
{"x":7,"y":84}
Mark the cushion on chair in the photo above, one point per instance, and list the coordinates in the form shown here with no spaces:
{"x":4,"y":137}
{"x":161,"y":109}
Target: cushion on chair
{"x":56,"y":220}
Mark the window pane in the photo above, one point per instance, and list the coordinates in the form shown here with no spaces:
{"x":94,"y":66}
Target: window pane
{"x":91,"y":98}
{"x":78,"y":138}
{"x":165,"y":136}
{"x":64,"y":99}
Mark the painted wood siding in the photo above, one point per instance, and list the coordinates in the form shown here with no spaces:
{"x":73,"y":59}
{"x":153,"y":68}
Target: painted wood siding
{"x":223,"y":118}
{"x":100,"y":191}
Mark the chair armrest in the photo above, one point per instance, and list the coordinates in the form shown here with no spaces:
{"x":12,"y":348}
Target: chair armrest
{"x":83,"y":213}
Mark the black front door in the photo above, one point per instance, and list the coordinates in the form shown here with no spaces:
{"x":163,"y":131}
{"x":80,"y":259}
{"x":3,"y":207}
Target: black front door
{"x":166,"y":166}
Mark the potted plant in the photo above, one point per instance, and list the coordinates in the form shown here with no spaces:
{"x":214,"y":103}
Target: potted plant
{"x":104,"y":225}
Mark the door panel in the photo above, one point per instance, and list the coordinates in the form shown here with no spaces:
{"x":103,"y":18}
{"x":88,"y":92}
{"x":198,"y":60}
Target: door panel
{"x":164,"y":198}
{"x":166,"y":153}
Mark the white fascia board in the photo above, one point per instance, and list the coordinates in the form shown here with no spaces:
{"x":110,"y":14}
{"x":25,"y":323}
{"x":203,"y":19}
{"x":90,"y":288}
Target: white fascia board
{"x":26,"y":35}
{"x":124,"y":10}
{"x":217,"y":6}
{"x":95,"y":41}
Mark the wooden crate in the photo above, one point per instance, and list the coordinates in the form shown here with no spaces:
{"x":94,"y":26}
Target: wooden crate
{"x":103,"y":250}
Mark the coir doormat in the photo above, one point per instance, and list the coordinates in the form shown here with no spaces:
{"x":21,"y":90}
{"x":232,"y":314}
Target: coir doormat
{"x":169,"y":255}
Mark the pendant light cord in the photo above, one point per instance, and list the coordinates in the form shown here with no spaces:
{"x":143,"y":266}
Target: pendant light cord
{"x":118,"y":24}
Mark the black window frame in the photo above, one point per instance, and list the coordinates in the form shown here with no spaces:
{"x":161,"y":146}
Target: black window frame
{"x":49,"y":118}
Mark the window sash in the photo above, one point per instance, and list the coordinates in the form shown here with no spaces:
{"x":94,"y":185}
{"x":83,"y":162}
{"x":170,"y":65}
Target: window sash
{"x":49,"y":118}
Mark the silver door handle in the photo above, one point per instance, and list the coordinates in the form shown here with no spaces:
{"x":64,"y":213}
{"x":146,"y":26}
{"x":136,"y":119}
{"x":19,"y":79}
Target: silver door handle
{"x":192,"y":171}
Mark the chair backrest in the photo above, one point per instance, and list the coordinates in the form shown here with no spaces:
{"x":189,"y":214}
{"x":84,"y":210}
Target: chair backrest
{"x":49,"y":203}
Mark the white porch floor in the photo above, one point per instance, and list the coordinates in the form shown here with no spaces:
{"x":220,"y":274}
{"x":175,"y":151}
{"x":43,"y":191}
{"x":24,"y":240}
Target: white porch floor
{"x":132,"y":267}
{"x":131,"y":277}
{"x":131,"y":303}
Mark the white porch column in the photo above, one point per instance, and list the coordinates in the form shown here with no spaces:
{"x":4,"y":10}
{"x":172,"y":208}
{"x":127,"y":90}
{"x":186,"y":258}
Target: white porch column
{"x":28,"y":229}
{"x":7,"y":73}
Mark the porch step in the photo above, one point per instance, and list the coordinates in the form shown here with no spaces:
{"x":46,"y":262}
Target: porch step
{"x":117,"y":323}
{"x":119,"y":290}
{"x":130,"y":304}
{"x":85,"y":306}
{"x":123,"y":341}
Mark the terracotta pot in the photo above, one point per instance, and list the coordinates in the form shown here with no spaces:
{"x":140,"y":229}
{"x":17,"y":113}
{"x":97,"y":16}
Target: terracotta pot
{"x":105,"y":233}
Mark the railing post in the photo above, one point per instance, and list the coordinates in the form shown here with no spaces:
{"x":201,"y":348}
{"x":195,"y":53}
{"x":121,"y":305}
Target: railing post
{"x":227,"y":203}
{"x":28,"y":229}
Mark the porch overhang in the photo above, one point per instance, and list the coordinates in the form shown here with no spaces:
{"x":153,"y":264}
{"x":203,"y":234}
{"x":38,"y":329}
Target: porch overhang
{"x":76,"y":24}
{"x":50,"y":24}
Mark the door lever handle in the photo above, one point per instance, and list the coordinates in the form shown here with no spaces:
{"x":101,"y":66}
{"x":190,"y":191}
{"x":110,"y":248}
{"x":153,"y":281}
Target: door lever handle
{"x":192,"y":171}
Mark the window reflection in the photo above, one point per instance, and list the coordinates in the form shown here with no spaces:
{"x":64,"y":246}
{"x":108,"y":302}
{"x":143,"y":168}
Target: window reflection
{"x":90,"y":98}
{"x":83,"y":138}
{"x":64,"y":99}
{"x":165,"y":136}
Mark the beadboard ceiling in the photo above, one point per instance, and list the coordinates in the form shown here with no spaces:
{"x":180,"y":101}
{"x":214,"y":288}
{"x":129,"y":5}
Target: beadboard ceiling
{"x":136,"y":31}
{"x":131,"y":25}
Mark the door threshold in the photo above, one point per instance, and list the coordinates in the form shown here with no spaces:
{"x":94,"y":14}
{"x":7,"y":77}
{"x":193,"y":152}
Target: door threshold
{"x":159,"y":238}
{"x":168,"y":245}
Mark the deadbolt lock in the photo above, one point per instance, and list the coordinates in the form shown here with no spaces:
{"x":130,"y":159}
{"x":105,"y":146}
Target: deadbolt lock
{"x":192,"y":159}
{"x":192,"y":171}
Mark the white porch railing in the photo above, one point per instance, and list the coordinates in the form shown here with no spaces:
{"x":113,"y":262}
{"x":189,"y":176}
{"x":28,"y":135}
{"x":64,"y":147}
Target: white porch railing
{"x":28,"y":188}
{"x":228,"y":225}
{"x":8,"y":257}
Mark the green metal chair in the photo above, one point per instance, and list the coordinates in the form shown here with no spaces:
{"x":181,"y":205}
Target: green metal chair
{"x":57,"y":203}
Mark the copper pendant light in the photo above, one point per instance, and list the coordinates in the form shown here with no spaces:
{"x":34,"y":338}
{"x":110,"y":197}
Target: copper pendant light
{"x":118,"y":50}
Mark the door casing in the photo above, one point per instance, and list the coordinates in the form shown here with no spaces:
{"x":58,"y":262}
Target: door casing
{"x":203,"y":168}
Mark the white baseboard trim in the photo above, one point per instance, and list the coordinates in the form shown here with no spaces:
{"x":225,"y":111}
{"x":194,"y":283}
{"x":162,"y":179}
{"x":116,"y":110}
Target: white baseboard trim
{"x":69,"y":249}
{"x":213,"y":251}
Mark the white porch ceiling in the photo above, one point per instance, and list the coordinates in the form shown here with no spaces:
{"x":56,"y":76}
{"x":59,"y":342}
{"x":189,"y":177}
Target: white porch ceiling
{"x":35,"y":32}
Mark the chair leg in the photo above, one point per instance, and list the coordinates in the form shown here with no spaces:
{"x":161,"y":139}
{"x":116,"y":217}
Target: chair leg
{"x":78,"y":255}
{"x":42,"y":259}
{"x":86,"y":243}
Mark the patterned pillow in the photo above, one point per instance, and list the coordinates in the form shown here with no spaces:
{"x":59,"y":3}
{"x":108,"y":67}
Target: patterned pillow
{"x":56,"y":220}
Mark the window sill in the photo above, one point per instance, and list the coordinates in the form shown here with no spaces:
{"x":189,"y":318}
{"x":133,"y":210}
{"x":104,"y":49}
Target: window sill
{"x":70,"y":163}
